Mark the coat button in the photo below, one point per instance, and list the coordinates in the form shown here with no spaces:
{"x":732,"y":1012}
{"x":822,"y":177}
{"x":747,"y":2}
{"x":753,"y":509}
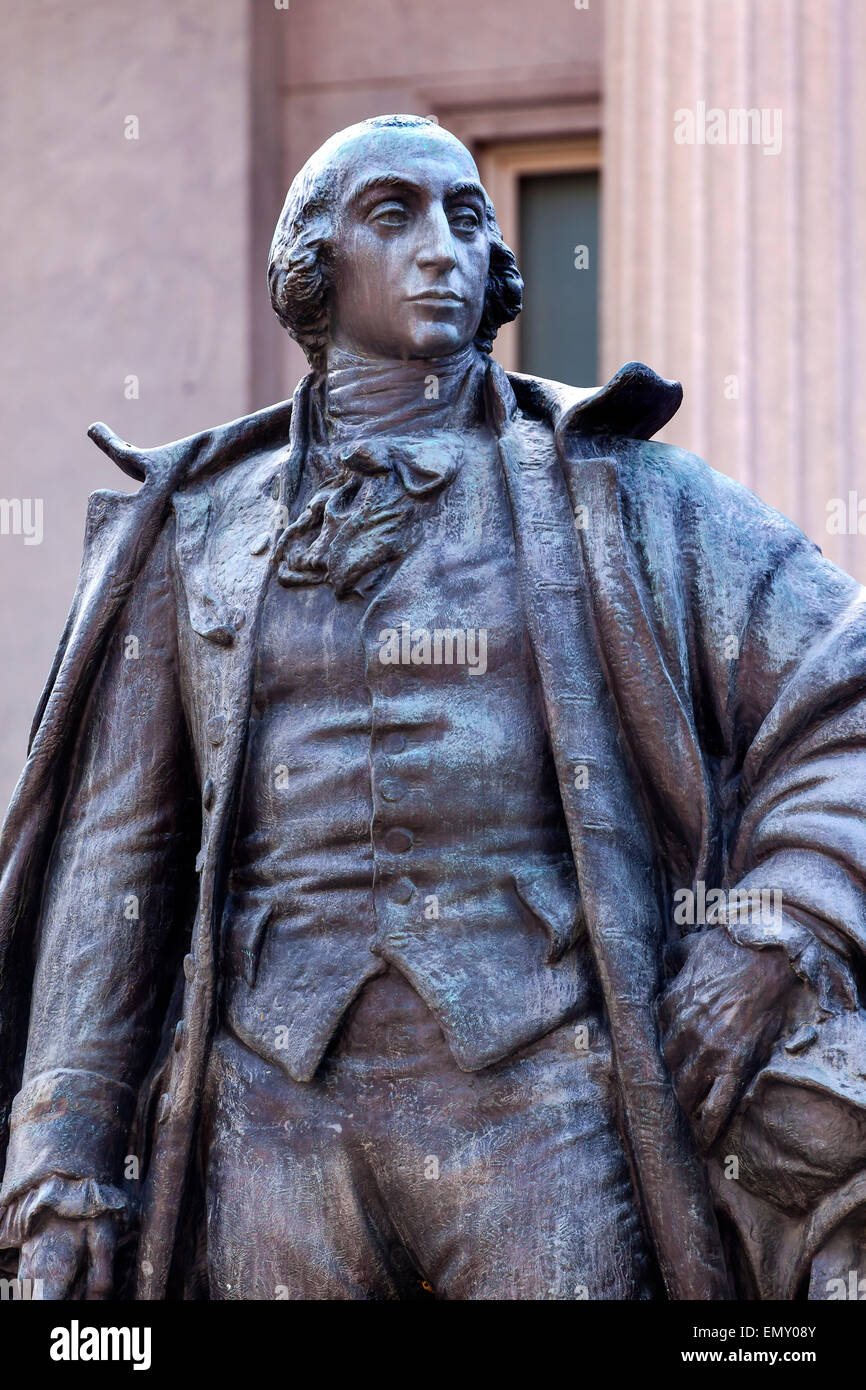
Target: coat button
{"x":260,"y":544}
{"x":216,"y":729}
{"x":162,"y":1110}
{"x":393,"y":743}
{"x":393,"y":790}
{"x":237,"y":617}
{"x":178,"y":1035}
{"x":401,"y":891}
{"x":207,"y":794}
{"x":275,"y":489}
{"x":398,"y":841}
{"x":189,"y":967}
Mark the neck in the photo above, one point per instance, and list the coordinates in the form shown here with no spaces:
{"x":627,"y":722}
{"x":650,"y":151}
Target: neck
{"x":379,"y":395}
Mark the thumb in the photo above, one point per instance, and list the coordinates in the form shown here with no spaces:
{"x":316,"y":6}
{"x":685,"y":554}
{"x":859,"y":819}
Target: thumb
{"x":716,"y":1109}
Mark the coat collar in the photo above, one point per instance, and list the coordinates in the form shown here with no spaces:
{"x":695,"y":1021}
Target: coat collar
{"x":634,"y":404}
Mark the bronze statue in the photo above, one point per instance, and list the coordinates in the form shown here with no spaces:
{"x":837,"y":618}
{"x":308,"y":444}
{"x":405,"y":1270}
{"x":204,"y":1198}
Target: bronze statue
{"x":440,"y":858}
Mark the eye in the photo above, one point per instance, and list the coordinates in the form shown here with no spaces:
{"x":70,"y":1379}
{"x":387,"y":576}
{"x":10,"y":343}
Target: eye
{"x":389,"y":214}
{"x":464,"y":219}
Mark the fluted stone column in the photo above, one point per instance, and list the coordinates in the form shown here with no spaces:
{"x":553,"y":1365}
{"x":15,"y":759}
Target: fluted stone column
{"x":743,"y":273}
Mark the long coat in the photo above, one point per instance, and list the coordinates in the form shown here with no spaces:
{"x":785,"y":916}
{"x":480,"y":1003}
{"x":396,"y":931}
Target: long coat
{"x":702,"y":668}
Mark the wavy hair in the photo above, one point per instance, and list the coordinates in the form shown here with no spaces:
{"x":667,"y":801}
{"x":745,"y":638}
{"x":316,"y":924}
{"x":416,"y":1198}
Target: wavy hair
{"x":301,"y":256}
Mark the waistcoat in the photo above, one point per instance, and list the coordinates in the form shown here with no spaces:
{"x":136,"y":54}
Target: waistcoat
{"x":400,"y":806}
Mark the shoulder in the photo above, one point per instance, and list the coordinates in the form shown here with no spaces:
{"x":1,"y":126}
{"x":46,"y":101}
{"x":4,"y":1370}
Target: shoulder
{"x":128,"y":534}
{"x":664,"y":490}
{"x":663,"y":477}
{"x":239,"y":448}
{"x":618,"y":421}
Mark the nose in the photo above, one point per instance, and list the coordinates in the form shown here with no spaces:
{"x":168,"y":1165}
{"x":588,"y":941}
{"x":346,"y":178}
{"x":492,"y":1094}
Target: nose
{"x":437,"y":244}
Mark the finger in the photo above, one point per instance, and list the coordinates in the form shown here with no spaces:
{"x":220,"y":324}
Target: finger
{"x":677,"y":953}
{"x":100,"y":1273}
{"x":52,"y":1288}
{"x":693,"y":1081}
{"x":680,"y":1041}
{"x":673,"y":1006}
{"x":717,"y":1109}
{"x":677,"y":1000}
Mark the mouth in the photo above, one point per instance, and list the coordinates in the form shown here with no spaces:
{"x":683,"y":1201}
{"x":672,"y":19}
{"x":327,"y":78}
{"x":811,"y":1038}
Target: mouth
{"x":437,"y":297}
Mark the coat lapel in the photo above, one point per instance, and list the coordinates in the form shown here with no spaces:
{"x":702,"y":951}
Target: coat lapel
{"x":612,"y":846}
{"x":651,"y":700}
{"x":226,"y":543}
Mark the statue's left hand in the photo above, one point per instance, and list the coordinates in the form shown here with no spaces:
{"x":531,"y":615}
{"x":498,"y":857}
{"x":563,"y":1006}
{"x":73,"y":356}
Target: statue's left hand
{"x":64,"y":1251}
{"x":719,"y":1018}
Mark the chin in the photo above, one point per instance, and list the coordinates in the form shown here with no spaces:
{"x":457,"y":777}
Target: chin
{"x":437,"y":342}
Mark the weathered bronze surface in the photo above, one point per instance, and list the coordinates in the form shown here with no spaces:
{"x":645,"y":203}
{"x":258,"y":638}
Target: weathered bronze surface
{"x":439,"y":862}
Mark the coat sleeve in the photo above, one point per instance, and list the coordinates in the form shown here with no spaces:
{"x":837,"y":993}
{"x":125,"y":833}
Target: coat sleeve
{"x":112,"y":920}
{"x":800,"y":686}
{"x":792,"y":714}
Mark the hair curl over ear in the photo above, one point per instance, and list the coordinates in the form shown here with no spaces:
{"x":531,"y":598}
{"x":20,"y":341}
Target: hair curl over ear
{"x":301,"y":254}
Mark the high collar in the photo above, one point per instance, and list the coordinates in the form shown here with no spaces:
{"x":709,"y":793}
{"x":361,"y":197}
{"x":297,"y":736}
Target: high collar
{"x":634,"y":404}
{"x":381,"y":396}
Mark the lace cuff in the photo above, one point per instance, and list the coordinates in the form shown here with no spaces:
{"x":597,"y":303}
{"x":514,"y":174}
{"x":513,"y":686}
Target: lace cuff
{"x":819,"y":963}
{"x":75,"y":1199}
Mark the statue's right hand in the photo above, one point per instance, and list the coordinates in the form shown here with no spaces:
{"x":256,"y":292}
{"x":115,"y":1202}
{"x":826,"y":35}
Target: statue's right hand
{"x":63,"y":1251}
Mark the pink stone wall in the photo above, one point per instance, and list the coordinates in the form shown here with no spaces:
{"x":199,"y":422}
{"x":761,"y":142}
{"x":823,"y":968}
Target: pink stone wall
{"x":121,"y":258}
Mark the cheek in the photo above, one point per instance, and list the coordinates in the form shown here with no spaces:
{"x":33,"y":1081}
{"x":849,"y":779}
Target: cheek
{"x":477,"y":265}
{"x":372,"y":275}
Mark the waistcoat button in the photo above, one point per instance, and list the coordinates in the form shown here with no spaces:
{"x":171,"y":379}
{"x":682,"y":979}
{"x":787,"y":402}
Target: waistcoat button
{"x":393,"y":790}
{"x":401,"y":891}
{"x":393,"y":743}
{"x":398,"y":841}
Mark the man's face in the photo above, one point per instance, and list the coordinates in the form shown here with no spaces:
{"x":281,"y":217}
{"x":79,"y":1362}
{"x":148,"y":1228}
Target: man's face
{"x":411,"y":249}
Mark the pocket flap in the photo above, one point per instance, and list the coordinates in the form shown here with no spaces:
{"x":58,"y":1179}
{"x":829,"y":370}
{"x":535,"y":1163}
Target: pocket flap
{"x":243,"y":935}
{"x":551,"y":893}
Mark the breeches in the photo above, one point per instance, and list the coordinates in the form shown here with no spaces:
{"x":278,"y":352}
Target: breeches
{"x":393,"y":1173}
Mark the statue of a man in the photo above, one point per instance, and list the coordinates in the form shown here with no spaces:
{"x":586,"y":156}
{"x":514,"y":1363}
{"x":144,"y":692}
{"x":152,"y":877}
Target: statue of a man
{"x":441,"y":858}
